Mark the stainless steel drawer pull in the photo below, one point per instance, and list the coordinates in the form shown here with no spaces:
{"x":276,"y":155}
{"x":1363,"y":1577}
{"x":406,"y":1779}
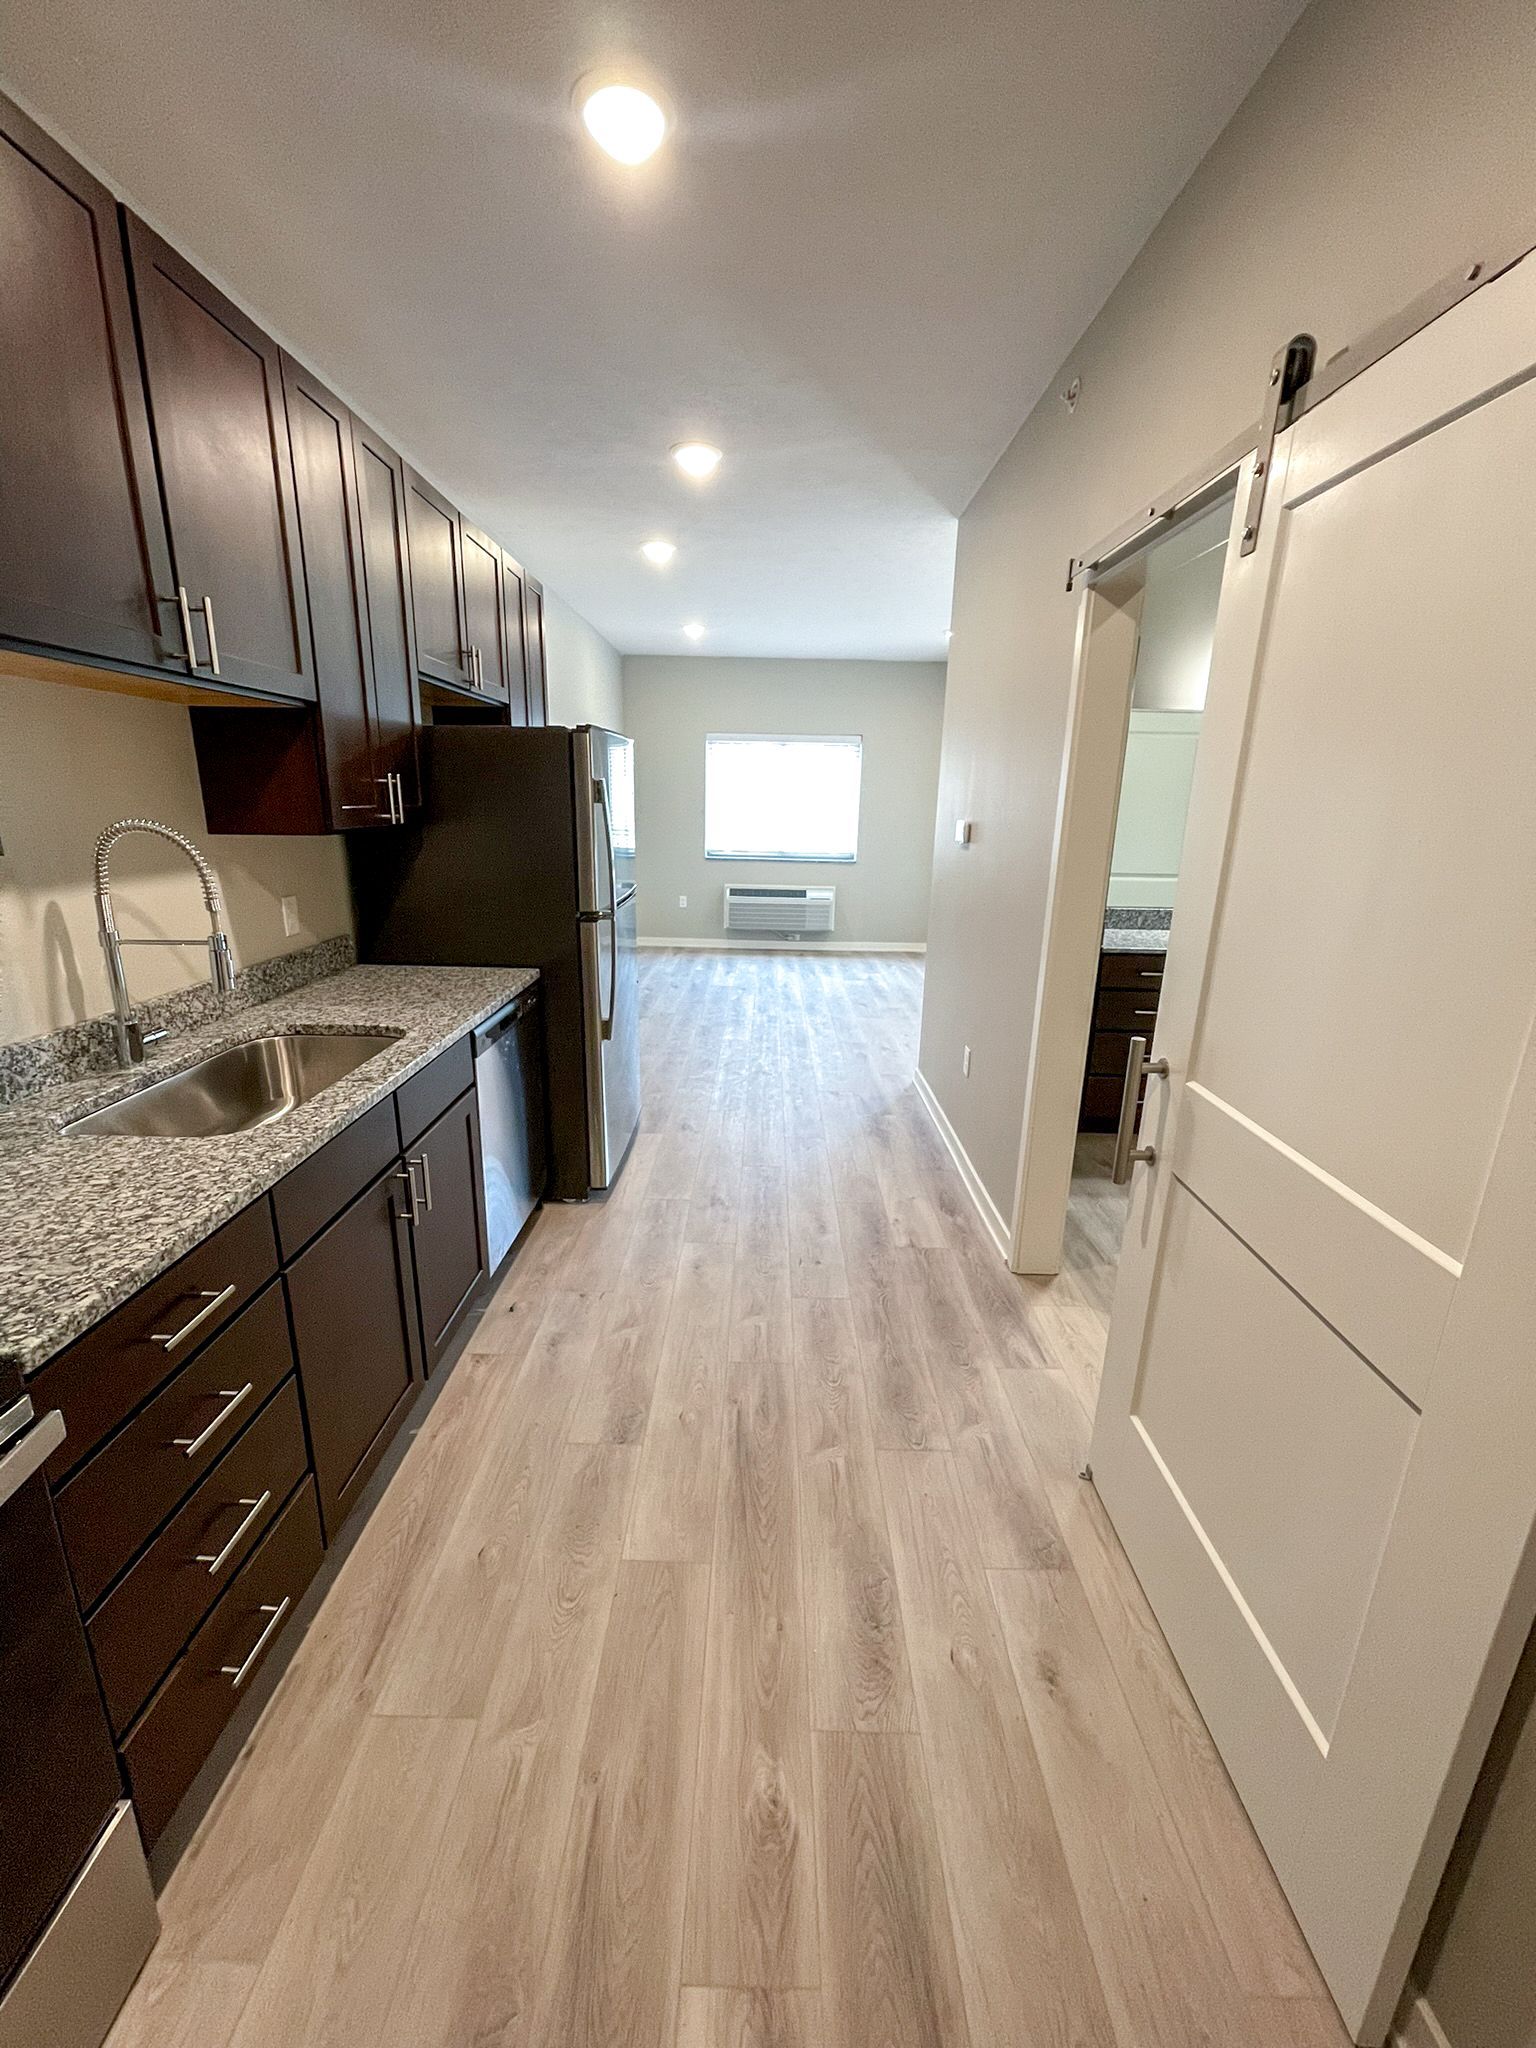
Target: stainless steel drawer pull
{"x":213,"y":638}
{"x":217,"y":1562}
{"x":1143,"y":1013}
{"x":238,"y":1673}
{"x":213,"y":1299}
{"x":1151,"y":973}
{"x":413,"y":1213}
{"x":231,"y":1397}
{"x":1127,"y":1153}
{"x":420,"y":1159}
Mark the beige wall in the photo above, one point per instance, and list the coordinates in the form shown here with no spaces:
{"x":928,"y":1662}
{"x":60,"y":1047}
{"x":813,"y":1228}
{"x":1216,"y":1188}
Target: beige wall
{"x":1388,"y":141}
{"x":584,"y":674}
{"x":72,"y":761}
{"x":671,"y":702}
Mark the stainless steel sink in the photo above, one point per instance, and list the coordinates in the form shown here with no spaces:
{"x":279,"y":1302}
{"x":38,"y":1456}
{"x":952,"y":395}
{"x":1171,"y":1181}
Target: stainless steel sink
{"x":238,"y":1089}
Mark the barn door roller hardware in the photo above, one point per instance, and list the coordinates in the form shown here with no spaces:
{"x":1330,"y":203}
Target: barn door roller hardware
{"x":1287,"y":373}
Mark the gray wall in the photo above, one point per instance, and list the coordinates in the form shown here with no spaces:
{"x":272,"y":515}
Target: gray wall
{"x":584,"y":674}
{"x":671,"y":702}
{"x":1388,"y":141}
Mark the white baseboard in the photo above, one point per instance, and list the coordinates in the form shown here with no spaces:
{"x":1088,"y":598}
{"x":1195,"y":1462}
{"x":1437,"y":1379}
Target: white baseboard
{"x":729,"y":945}
{"x":1416,"y":2025}
{"x":986,"y":1208}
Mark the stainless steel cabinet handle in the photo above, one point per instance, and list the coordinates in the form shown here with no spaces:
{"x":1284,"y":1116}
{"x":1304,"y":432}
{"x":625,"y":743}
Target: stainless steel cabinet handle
{"x":1127,"y":1153}
{"x":420,"y":1159}
{"x":231,"y":1397}
{"x":213,"y":638}
{"x":238,"y":1673}
{"x":387,"y":784}
{"x":413,"y":1213}
{"x":218,"y":1560}
{"x":29,"y":1453}
{"x":398,"y":779}
{"x":214,"y":1299}
{"x":184,"y":612}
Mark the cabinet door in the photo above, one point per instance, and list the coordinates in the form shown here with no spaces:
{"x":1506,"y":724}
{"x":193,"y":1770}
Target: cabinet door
{"x":533,"y":634}
{"x":514,"y":628}
{"x":354,"y":1327}
{"x":381,"y":500}
{"x":450,"y":1223}
{"x":83,"y":550}
{"x":320,"y":430}
{"x":437,"y":594}
{"x":482,"y":610}
{"x":216,"y":403}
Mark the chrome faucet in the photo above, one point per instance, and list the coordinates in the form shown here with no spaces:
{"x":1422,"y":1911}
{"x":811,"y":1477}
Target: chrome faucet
{"x":131,"y":1037}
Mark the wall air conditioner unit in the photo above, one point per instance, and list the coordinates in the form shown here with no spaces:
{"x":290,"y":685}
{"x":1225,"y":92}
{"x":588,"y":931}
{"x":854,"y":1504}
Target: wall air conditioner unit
{"x":784,"y":912}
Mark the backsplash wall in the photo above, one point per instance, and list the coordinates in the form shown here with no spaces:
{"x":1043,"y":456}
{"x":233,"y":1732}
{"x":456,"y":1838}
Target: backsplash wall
{"x":72,"y":761}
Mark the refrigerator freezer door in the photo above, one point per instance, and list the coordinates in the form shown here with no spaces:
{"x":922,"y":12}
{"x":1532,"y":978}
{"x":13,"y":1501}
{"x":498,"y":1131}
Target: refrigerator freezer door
{"x":611,"y":988}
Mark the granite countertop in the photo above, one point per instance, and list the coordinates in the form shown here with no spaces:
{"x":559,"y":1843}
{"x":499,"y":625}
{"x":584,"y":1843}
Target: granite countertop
{"x":1122,"y":938}
{"x":85,"y":1222}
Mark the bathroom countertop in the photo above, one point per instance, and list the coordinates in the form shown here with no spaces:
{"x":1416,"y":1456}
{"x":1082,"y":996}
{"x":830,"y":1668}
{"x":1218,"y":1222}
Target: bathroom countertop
{"x":87,"y":1221}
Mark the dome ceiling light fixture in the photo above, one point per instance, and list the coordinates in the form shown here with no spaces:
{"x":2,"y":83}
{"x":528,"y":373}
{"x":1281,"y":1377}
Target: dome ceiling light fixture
{"x":697,"y":459}
{"x":626,"y":121}
{"x":659,"y":552}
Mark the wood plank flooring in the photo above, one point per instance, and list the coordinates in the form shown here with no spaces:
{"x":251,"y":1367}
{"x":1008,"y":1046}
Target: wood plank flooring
{"x":736,"y":1659}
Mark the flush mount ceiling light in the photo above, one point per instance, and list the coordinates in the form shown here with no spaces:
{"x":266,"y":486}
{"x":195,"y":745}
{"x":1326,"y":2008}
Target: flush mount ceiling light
{"x":659,"y":552}
{"x":629,"y":124}
{"x":693,"y":630}
{"x":696,"y":459}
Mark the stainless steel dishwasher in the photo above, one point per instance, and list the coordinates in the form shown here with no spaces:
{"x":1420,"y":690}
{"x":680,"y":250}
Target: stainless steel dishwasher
{"x":509,"y":1075}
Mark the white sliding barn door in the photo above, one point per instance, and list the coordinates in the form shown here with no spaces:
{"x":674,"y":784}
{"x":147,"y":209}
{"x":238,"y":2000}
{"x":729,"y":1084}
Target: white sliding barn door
{"x":1317,"y":1430}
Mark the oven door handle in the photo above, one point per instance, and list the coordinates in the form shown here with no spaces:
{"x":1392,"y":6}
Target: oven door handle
{"x":27,"y":1457}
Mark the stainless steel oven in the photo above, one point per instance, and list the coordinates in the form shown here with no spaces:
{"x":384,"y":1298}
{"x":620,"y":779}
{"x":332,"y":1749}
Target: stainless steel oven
{"x":77,"y":1913}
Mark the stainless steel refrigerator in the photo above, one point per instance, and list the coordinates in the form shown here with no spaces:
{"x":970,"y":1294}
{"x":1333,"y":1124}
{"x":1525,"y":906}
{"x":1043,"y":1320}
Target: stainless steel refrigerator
{"x":524,"y":855}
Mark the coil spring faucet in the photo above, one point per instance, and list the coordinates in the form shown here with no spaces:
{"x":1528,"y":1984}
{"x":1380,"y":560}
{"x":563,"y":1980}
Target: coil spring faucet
{"x":130,"y":1035}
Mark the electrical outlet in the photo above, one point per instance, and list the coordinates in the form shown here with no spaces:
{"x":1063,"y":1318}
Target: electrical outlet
{"x":291,"y":923}
{"x":682,"y":902}
{"x":965,"y":1061}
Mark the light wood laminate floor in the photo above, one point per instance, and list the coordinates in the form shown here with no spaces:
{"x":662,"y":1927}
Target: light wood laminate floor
{"x":736,"y":1659}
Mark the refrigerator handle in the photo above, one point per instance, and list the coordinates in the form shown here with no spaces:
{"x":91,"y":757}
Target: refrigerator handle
{"x":600,"y":791}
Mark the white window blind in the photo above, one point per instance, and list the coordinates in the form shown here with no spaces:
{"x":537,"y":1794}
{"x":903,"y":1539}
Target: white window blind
{"x":778,"y":796}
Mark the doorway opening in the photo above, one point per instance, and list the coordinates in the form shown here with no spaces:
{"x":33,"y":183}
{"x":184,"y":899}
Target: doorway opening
{"x":1145,"y":636}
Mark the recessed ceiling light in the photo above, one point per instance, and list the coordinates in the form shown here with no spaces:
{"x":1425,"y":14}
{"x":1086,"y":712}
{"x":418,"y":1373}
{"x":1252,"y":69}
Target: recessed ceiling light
{"x":696,"y":459}
{"x":693,"y":630}
{"x":660,"y":552}
{"x":623,"y":120}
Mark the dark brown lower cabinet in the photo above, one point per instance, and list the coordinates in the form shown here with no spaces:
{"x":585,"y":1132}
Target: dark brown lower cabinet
{"x":353,"y":1301}
{"x":448,"y":1230}
{"x":170,"y":1741}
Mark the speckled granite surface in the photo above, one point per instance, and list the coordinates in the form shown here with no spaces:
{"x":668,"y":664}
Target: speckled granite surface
{"x":1136,"y":930}
{"x":85,"y":1222}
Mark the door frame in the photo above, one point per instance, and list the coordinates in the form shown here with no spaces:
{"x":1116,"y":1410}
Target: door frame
{"x":1082,"y":846}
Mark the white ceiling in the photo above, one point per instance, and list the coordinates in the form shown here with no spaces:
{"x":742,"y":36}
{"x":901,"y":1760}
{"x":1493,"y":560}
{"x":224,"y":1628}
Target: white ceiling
{"x":879,"y":227}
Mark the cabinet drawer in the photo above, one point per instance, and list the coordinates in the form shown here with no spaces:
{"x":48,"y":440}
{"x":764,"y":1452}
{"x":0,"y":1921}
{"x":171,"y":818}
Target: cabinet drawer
{"x":178,"y":1728}
{"x":422,"y":1100}
{"x":1130,"y":970}
{"x":144,"y":1621}
{"x":1126,"y":1009}
{"x":305,"y":1200}
{"x":116,"y":1502}
{"x":1108,"y":1053}
{"x":105,"y":1374}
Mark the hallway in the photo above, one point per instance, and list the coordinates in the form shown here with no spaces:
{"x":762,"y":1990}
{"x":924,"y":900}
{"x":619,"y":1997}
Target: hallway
{"x":736,"y":1658}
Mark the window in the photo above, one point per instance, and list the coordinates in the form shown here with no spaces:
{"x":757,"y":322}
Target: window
{"x":775,"y":796}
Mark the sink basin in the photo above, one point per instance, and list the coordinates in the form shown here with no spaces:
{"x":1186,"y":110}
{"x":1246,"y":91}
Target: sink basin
{"x":238,"y":1089}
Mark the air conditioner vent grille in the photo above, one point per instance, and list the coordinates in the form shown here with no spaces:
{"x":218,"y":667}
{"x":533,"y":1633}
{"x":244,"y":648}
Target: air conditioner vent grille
{"x":781,"y":911}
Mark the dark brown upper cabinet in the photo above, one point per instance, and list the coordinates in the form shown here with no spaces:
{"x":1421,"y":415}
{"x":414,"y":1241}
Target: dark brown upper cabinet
{"x":381,"y":498}
{"x":484,"y":632}
{"x":214,"y":383}
{"x":348,"y":763}
{"x":437,"y":585}
{"x":514,"y":629}
{"x":533,"y":640}
{"x":83,"y":549}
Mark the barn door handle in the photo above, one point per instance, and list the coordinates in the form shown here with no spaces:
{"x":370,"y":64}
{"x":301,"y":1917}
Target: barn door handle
{"x":1127,"y":1152}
